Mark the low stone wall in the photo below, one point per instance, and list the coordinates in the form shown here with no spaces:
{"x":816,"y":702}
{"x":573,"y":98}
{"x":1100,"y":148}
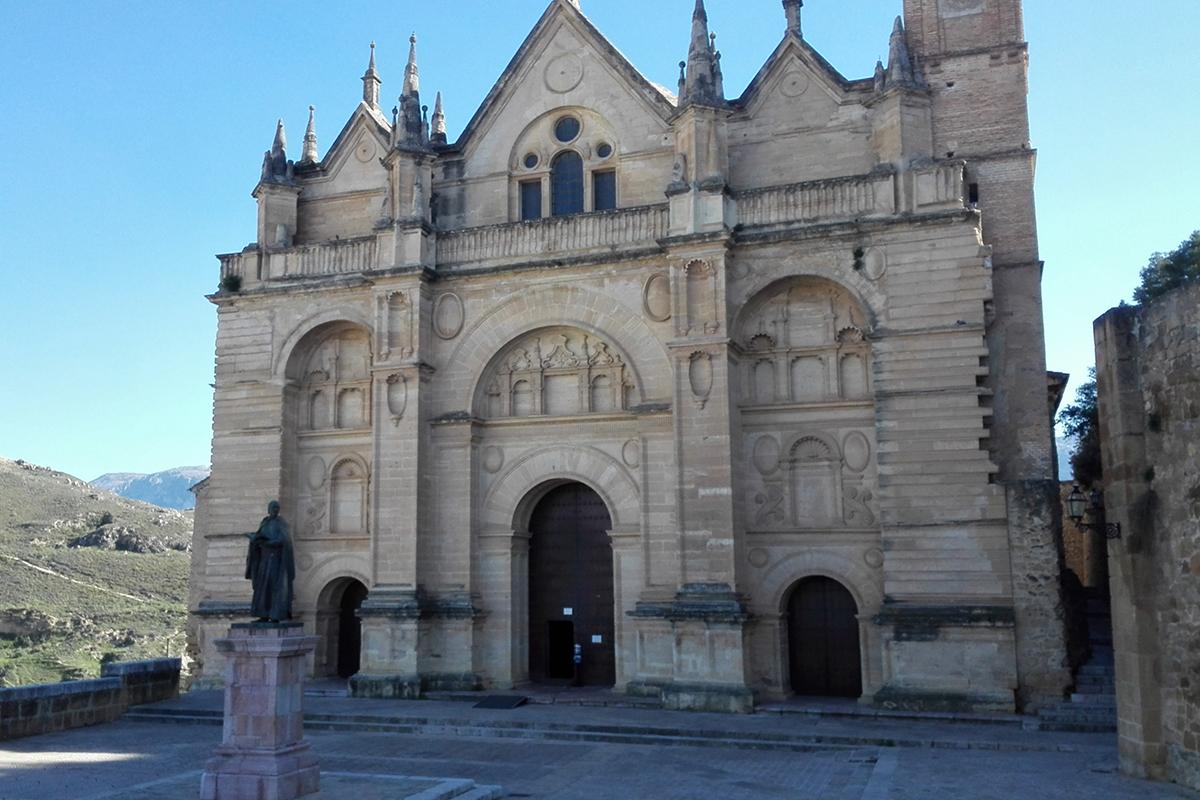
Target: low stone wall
{"x":45,"y":708}
{"x":1148,"y":376}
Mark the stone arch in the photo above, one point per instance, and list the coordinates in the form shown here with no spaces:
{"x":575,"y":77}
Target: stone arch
{"x":327,"y":621}
{"x":760,"y":285}
{"x":775,"y":586}
{"x":591,"y":312}
{"x":517,"y":490}
{"x":301,"y":331}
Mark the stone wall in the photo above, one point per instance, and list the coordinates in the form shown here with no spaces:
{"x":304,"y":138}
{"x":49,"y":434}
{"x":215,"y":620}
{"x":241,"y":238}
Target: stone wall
{"x":1148,"y":375}
{"x":45,"y":708}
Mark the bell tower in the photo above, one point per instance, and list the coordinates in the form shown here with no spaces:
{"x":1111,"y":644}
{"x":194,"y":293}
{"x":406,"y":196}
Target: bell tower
{"x":973,"y":55}
{"x":974,"y":58}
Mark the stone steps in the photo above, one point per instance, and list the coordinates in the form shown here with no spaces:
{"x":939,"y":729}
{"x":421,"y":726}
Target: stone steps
{"x":684,"y":734}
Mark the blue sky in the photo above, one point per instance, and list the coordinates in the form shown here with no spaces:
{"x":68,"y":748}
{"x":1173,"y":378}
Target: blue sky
{"x":133,"y":132}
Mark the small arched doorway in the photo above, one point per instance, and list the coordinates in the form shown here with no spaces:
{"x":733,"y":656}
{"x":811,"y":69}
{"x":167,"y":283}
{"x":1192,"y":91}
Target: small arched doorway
{"x":823,"y":645}
{"x":350,"y":629}
{"x":340,"y":628}
{"x":571,"y":588}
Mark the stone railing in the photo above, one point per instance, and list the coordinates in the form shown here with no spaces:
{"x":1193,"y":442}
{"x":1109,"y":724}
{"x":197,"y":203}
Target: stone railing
{"x":329,"y":258}
{"x":44,"y":708}
{"x":819,"y":201}
{"x":546,"y":238}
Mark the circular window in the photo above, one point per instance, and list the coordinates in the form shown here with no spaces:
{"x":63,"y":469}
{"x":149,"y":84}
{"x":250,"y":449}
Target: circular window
{"x":531,"y":160}
{"x":604,"y":150}
{"x":566,"y":129}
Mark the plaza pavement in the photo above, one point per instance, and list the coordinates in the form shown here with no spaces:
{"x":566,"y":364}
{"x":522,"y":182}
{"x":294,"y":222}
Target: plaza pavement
{"x":372,"y":749}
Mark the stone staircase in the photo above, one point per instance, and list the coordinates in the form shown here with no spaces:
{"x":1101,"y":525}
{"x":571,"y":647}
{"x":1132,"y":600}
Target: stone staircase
{"x":1092,"y":707}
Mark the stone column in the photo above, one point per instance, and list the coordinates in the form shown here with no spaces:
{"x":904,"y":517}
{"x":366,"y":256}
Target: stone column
{"x":263,"y":753}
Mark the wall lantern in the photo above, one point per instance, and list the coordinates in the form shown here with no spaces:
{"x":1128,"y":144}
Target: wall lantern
{"x":1079,"y":504}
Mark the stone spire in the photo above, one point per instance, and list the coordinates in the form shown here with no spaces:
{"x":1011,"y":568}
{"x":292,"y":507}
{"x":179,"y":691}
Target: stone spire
{"x":371,"y":82}
{"x":412,"y":75}
{"x":702,"y":78}
{"x":438,"y":129}
{"x":410,"y":127}
{"x":880,"y":78}
{"x":792,"y":9}
{"x":309,"y":155}
{"x":276,"y":168}
{"x":901,"y":71}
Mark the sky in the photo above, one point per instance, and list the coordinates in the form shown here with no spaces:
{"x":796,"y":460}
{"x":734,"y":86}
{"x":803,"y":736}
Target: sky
{"x":132,"y":134}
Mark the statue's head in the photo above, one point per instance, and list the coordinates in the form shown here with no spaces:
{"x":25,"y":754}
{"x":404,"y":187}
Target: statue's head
{"x":273,"y":508}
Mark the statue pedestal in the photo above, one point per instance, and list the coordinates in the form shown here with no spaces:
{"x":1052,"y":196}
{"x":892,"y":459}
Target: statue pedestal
{"x":263,"y":755}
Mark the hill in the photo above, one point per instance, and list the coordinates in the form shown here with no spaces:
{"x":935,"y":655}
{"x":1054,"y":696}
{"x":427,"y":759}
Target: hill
{"x":88,"y":576}
{"x":169,"y":488}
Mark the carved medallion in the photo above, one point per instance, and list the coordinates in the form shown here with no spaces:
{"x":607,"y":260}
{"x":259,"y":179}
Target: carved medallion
{"x":758,"y":557}
{"x":873,"y":558}
{"x":700,"y":376}
{"x":631,"y":454}
{"x":794,"y":84}
{"x":448,"y":316}
{"x":564,"y":73}
{"x":316,"y":473}
{"x":875,"y":263}
{"x":365,"y":150}
{"x":493,"y":459}
{"x":397,"y":396}
{"x":766,"y":455}
{"x":856,"y":451}
{"x":305,"y":563}
{"x":656,"y":297}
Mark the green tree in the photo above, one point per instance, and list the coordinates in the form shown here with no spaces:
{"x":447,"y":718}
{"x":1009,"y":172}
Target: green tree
{"x":1167,"y":271}
{"x":1081,"y":421}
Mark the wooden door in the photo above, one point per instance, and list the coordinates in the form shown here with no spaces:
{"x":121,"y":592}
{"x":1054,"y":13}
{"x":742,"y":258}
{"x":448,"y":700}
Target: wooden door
{"x":823,"y":640}
{"x":571,"y":587}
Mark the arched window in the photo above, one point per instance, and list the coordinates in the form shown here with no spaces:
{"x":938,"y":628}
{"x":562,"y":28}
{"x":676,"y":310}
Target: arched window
{"x":566,"y":184}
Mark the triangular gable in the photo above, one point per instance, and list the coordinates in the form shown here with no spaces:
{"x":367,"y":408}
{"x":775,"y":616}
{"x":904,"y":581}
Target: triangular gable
{"x":793,"y":46}
{"x":364,"y":117}
{"x":651,"y":94}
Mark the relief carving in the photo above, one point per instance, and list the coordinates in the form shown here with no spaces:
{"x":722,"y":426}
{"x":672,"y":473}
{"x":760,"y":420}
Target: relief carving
{"x":558,"y":372}
{"x":810,"y":344}
{"x":700,"y":377}
{"x":700,"y":282}
{"x":398,"y":323}
{"x":335,"y":383}
{"x":656,"y":297}
{"x":448,"y":316}
{"x":397,"y":396}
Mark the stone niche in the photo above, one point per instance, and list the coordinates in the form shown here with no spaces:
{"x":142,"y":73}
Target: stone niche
{"x":807,"y":408}
{"x":804,"y":341}
{"x":330,"y":437}
{"x":556,"y":372}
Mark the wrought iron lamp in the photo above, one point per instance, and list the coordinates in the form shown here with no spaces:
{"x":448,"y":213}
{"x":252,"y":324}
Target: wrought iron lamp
{"x":1078,"y":505}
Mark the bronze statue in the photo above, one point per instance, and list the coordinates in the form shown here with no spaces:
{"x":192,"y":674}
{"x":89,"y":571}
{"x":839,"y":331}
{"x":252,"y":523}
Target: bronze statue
{"x":271,"y":568}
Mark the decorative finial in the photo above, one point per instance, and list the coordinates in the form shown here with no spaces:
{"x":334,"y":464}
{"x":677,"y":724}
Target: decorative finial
{"x":276,"y":168}
{"x":901,"y":70}
{"x":702,"y":79}
{"x":438,"y":129}
{"x":412,"y":76}
{"x":371,"y":82}
{"x":792,"y":9}
{"x":309,"y":154}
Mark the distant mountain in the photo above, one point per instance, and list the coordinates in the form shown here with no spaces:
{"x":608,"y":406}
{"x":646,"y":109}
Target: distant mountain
{"x":167,"y":489}
{"x":1066,"y":447}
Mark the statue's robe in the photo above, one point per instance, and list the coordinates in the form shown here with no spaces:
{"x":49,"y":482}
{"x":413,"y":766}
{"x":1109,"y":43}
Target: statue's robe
{"x":271,"y":568}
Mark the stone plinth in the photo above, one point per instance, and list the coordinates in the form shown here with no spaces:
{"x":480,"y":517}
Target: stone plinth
{"x":263,"y":755}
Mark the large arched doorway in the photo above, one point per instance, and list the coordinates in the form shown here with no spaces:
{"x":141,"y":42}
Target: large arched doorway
{"x":571,"y":588}
{"x":340,"y":628}
{"x":823,"y":646}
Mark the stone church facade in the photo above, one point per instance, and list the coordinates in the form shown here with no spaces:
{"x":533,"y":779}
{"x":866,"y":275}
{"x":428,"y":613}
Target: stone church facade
{"x":735,"y":398}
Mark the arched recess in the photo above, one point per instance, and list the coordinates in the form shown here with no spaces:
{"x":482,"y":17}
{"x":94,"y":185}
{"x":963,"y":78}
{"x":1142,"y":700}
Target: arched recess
{"x":338,"y":627}
{"x":313,"y":325}
{"x":824,"y":647}
{"x":527,"y":311}
{"x":761,"y":284}
{"x":846,"y":566}
{"x":556,"y":371}
{"x":328,"y":388}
